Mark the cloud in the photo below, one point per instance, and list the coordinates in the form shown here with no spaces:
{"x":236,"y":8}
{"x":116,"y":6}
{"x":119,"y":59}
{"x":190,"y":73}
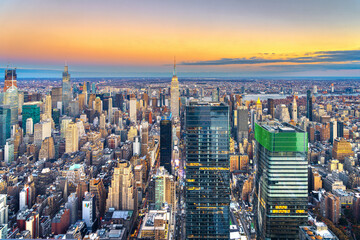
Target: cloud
{"x":314,"y":57}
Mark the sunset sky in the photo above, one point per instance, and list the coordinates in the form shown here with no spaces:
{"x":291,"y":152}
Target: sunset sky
{"x":208,"y":38}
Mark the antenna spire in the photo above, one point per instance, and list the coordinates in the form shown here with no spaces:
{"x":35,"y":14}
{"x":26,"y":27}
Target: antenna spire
{"x":174,"y":66}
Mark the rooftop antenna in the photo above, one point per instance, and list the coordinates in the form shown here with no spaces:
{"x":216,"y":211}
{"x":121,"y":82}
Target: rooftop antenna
{"x":174,"y":66}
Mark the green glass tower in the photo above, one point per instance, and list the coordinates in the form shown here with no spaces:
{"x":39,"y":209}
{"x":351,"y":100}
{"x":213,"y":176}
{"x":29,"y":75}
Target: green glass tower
{"x":30,"y":110}
{"x":281,"y":182}
{"x":5,"y":123}
{"x":207,"y":186}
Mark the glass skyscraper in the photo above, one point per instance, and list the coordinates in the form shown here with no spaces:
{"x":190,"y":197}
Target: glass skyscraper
{"x":5,"y":123}
{"x":30,"y":110}
{"x":309,"y":105}
{"x":67,"y":94}
{"x":281,"y":182}
{"x":166,"y":143}
{"x":207,"y":171}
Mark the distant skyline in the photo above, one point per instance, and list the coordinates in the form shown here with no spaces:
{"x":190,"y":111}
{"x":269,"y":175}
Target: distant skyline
{"x":263,"y":38}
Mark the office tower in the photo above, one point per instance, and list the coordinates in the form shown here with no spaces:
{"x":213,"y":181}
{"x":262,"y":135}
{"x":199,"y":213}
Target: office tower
{"x":342,"y":149}
{"x":98,"y":105}
{"x":47,"y":150}
{"x":333,"y":130}
{"x":81,"y":100}
{"x":175,"y":94}
{"x":30,"y":110}
{"x":11,"y":97}
{"x":144,"y":138}
{"x":5,"y":124}
{"x":258,"y":109}
{"x":66,"y":90}
{"x":281,"y":182}
{"x":3,"y":209}
{"x":165,"y":190}
{"x":340,"y":129}
{"x":332,"y":88}
{"x":121,"y":193}
{"x":242,"y":123}
{"x":72,"y":205}
{"x":271,"y":107}
{"x":294,"y":110}
{"x":93,"y":88}
{"x":309,"y":105}
{"x":56,"y":96}
{"x":71,"y":138}
{"x":136,"y":146}
{"x":166,"y":143}
{"x":110,"y":110}
{"x":21,"y":100}
{"x":89,"y":210}
{"x":252,"y":119}
{"x":102,"y":121}
{"x":64,"y":124}
{"x":85,"y":92}
{"x":207,"y":171}
{"x":47,"y":107}
{"x":282,"y":113}
{"x":132,"y":108}
{"x":97,"y":188}
{"x":42,"y":130}
{"x":9,"y":152}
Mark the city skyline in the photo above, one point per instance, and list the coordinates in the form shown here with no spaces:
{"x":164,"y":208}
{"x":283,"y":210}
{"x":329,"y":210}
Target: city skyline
{"x":237,"y":39}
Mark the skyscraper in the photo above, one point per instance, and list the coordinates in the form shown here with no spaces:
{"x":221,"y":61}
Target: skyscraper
{"x":5,"y":122}
{"x":166,"y":143}
{"x":30,"y":110}
{"x":71,"y":138}
{"x":207,"y":171}
{"x":175,"y":94}
{"x":132,"y":108}
{"x":11,"y":97}
{"x":242,"y":123}
{"x":309,"y":107}
{"x":66,"y":90}
{"x":121,"y":193}
{"x":271,"y":107}
{"x":294,"y":109}
{"x":281,"y":182}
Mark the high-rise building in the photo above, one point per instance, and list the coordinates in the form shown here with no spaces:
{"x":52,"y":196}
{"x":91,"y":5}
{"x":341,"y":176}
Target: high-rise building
{"x":56,"y":96}
{"x":175,"y":94}
{"x":89,"y":210}
{"x":294,"y":109}
{"x":3,"y":209}
{"x":165,"y":190}
{"x":110,"y":110}
{"x":71,"y":138}
{"x":242,"y":123}
{"x":98,"y":105}
{"x":132,"y":109}
{"x":341,"y":149}
{"x":47,"y":107}
{"x":166,"y":143}
{"x":30,"y":110}
{"x":207,"y":171}
{"x":11,"y":96}
{"x":330,"y":207}
{"x":121,"y":193}
{"x":271,"y":107}
{"x":42,"y":130}
{"x":29,"y":126}
{"x":144,"y":138}
{"x":5,"y":123}
{"x":258,"y":109}
{"x":281,"y":182}
{"x":66,"y":90}
{"x":97,"y":188}
{"x":309,"y":105}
